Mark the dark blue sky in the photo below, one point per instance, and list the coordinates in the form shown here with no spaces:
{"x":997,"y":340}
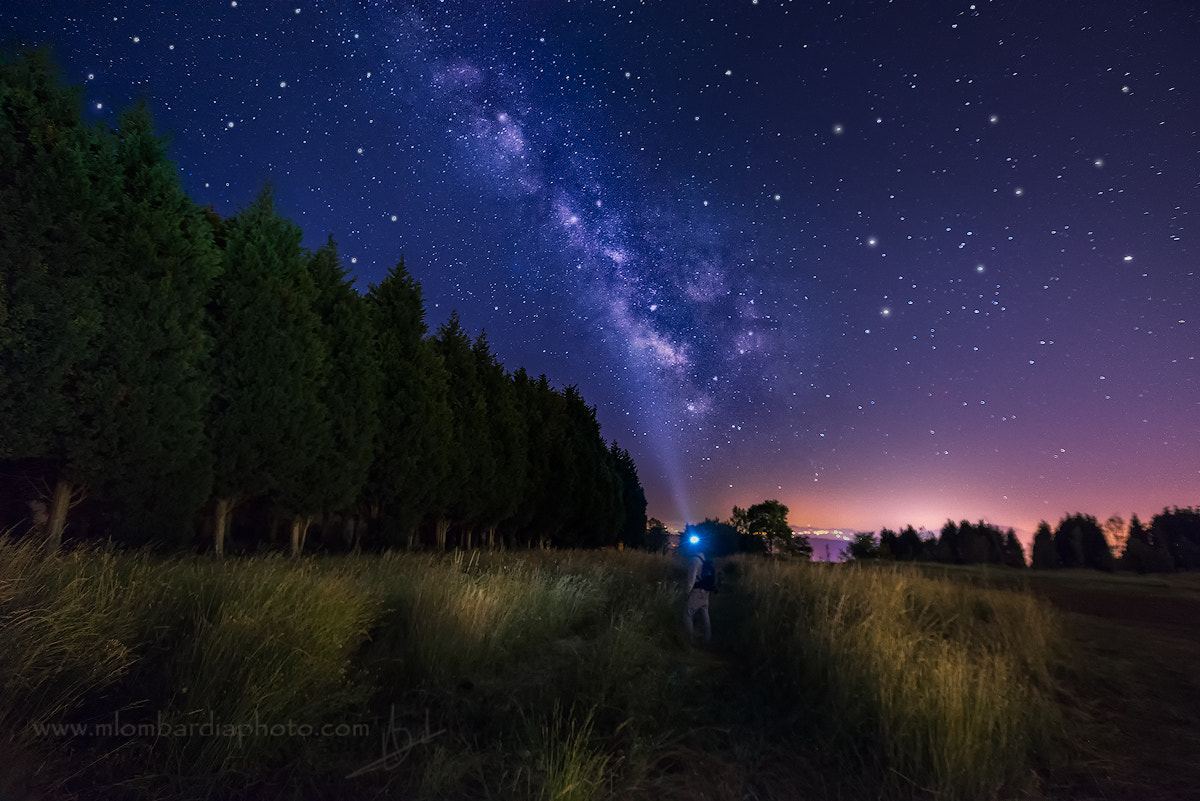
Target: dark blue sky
{"x":886,"y":262}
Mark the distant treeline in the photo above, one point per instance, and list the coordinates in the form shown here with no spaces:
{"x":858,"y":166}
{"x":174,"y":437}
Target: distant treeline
{"x":1171,"y":542}
{"x":194,"y":375}
{"x":959,"y":543}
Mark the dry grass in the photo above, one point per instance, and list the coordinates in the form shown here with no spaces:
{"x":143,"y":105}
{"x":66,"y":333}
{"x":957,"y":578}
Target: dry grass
{"x":946,"y":686}
{"x":521,"y":675}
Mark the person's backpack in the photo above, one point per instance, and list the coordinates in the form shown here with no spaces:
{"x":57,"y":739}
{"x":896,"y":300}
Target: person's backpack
{"x":708,"y":577}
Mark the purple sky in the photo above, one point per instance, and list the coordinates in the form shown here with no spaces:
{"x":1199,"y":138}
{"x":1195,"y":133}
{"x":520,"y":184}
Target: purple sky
{"x":889,"y":263}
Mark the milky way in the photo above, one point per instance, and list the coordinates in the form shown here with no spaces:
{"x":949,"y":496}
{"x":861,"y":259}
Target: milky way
{"x":887,"y":264}
{"x":647,"y":269}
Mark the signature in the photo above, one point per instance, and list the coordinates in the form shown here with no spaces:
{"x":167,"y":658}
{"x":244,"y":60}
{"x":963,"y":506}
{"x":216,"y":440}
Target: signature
{"x":398,"y":741}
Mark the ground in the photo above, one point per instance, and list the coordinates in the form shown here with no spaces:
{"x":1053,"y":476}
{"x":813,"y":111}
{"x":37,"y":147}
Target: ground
{"x":1136,"y":699}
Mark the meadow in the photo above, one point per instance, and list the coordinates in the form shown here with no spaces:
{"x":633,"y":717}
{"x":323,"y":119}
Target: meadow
{"x":533,"y":675}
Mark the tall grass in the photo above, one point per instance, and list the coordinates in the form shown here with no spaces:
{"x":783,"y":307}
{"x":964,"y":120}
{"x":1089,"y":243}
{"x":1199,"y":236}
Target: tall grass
{"x":523,"y":644}
{"x":93,"y":637}
{"x":519,"y":675}
{"x":542,"y":645}
{"x":944,"y":686}
{"x":268,"y":643}
{"x":454,"y":619}
{"x":67,"y":630}
{"x":568,"y":767}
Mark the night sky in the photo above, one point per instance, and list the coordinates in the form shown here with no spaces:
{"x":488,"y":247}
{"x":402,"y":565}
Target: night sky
{"x":888,"y":263}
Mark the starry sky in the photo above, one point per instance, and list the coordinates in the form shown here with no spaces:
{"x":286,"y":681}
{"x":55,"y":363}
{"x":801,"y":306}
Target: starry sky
{"x":887,"y":262}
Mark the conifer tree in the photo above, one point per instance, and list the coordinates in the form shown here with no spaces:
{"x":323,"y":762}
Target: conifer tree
{"x":949,"y":547}
{"x":908,"y":544}
{"x":507,"y":435}
{"x":1137,"y":531}
{"x":1014,"y":554}
{"x":553,"y":497}
{"x":594,"y":517}
{"x":1075,"y":543}
{"x":633,"y":498}
{"x":351,"y":396}
{"x":472,"y":458}
{"x":1093,"y":545}
{"x":56,"y":206}
{"x":267,"y":422}
{"x":1044,"y":555}
{"x":531,"y":399}
{"x":1178,"y":530}
{"x":889,"y":544}
{"x":411,"y":456}
{"x":1145,"y":552}
{"x":972,"y":543}
{"x":151,"y":366}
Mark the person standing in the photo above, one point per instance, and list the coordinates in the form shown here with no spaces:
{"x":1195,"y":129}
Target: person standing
{"x":697,"y":602}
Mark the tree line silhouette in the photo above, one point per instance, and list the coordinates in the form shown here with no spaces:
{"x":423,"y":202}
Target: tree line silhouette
{"x":1170,"y":542}
{"x":195,"y":375}
{"x":957,"y":543}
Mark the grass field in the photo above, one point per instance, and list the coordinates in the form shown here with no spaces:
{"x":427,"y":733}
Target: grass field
{"x":1129,"y":693}
{"x":1133,"y":690}
{"x":564,"y":675}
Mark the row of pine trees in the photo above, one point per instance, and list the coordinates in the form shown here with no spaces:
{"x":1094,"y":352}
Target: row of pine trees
{"x":178,"y":366}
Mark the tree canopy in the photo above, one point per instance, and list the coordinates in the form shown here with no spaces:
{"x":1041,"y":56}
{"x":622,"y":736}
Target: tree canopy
{"x":766,"y":523}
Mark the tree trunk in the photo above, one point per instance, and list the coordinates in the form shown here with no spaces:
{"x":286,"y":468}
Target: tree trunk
{"x":443,"y":525}
{"x":221,"y":517}
{"x":299,"y":531}
{"x":57,"y":519}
